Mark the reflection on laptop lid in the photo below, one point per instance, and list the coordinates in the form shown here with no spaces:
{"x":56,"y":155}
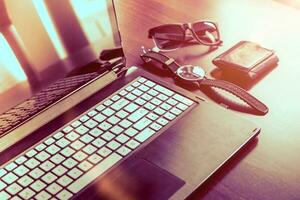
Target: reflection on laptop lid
{"x":40,"y":43}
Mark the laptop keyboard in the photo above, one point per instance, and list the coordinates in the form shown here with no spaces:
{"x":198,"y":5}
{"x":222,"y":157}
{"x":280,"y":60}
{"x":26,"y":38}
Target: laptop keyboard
{"x":20,"y":113}
{"x":71,"y":158}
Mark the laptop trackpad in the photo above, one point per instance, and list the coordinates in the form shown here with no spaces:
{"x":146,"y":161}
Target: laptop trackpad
{"x":144,"y":181}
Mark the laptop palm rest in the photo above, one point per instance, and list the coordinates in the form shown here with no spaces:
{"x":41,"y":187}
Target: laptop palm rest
{"x":142,"y":180}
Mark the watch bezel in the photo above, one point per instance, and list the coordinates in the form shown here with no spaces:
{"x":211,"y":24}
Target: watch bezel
{"x":199,"y":77}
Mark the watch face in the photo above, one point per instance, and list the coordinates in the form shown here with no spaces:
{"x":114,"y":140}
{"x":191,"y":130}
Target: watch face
{"x":191,"y":72}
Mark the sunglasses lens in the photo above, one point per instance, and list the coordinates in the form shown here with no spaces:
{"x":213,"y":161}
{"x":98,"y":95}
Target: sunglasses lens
{"x":206,"y":32}
{"x":168,"y":37}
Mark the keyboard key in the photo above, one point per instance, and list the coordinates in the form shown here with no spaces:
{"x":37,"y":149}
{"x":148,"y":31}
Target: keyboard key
{"x":25,"y":181}
{"x":27,"y":193}
{"x":165,"y":106}
{"x":64,"y":194}
{"x":75,"y":173}
{"x":90,"y":124}
{"x":143,"y":123}
{"x":172,"y":102}
{"x":136,"y":84}
{"x":108,"y":112}
{"x":100,"y":108}
{"x":63,"y":143}
{"x":159,"y":111}
{"x":82,"y":130}
{"x":113,"y":120}
{"x":181,"y":106}
{"x":104,"y":151}
{"x":129,"y":88}
{"x":113,"y":145}
{"x":72,"y":136}
{"x":49,"y":141}
{"x":40,"y":147}
{"x":122,"y":138}
{"x":116,"y":130}
{"x":153,"y":92}
{"x":162,"y":121}
{"x":131,"y":132}
{"x":64,"y":180}
{"x":70,"y":163}
{"x":77,"y":145}
{"x":54,"y":188}
{"x":67,"y":152}
{"x":156,"y":101}
{"x":124,"y":151}
{"x":100,"y":118}
{"x":150,"y":106}
{"x":169,"y":116}
{"x":86,"y":138}
{"x":162,"y":97}
{"x":125,"y":123}
{"x":91,"y":175}
{"x":108,"y":102}
{"x":138,"y":114}
{"x":57,"y":159}
{"x":19,"y":160}
{"x":144,"y":135}
{"x":21,"y":170}
{"x":43,"y":196}
{"x":142,"y":79}
{"x":36,"y":173}
{"x":92,"y":113}
{"x":79,"y":156}
{"x":84,"y":118}
{"x":140,"y":101}
{"x":176,"y":111}
{"x":115,"y":98}
{"x":31,"y":153}
{"x":4,"y":195}
{"x":146,"y":97}
{"x":123,"y":93}
{"x":108,"y":136}
{"x":137,"y":92}
{"x":131,"y":96}
{"x":119,"y":104}
{"x":85,"y":166}
{"x":13,"y":188}
{"x":132,"y":144}
{"x":49,"y":178}
{"x":96,"y":132}
{"x":152,"y":116}
{"x":155,"y":126}
{"x":38,"y":185}
{"x":131,"y":107}
{"x":183,"y":99}
{"x":94,"y":159}
{"x":32,"y":163}
{"x":58,"y":136}
{"x":150,"y":83}
{"x":76,"y":123}
{"x":89,"y":149}
{"x":59,"y":170}
{"x":2,"y":172}
{"x":122,"y":114}
{"x":67,"y":129}
{"x":10,"y":166}
{"x":53,"y":149}
{"x":104,"y":126}
{"x":47,"y":166}
{"x":164,"y":90}
{"x":98,"y":142}
{"x":2,"y":185}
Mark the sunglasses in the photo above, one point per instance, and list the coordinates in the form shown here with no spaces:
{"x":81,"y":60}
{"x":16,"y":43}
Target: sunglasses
{"x":173,"y":36}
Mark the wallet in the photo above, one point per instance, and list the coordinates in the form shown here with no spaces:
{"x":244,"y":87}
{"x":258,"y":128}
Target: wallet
{"x":247,"y":58}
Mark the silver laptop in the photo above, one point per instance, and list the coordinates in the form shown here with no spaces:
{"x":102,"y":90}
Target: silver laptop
{"x":72,"y":128}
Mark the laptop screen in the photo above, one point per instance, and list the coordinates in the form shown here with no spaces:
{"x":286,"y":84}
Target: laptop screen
{"x":42,"y":40}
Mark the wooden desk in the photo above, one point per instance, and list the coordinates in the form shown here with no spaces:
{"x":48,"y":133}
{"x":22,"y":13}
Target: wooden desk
{"x":267,"y":169}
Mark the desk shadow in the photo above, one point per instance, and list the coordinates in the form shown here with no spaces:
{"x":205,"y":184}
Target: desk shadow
{"x":209,"y":184}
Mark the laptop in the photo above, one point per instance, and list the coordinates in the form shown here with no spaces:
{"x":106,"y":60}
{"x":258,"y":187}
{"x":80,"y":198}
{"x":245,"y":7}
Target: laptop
{"x":108,"y":135}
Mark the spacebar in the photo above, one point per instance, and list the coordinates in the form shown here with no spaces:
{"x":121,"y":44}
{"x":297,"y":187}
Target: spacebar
{"x":96,"y":171}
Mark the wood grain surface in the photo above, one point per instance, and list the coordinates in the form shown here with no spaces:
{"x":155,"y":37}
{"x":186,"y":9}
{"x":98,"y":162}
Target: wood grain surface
{"x":269,"y":167}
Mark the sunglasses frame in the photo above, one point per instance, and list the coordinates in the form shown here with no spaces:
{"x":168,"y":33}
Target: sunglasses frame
{"x":184,"y":27}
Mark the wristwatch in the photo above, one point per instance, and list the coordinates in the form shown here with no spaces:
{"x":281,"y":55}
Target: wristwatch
{"x":196,"y":74}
